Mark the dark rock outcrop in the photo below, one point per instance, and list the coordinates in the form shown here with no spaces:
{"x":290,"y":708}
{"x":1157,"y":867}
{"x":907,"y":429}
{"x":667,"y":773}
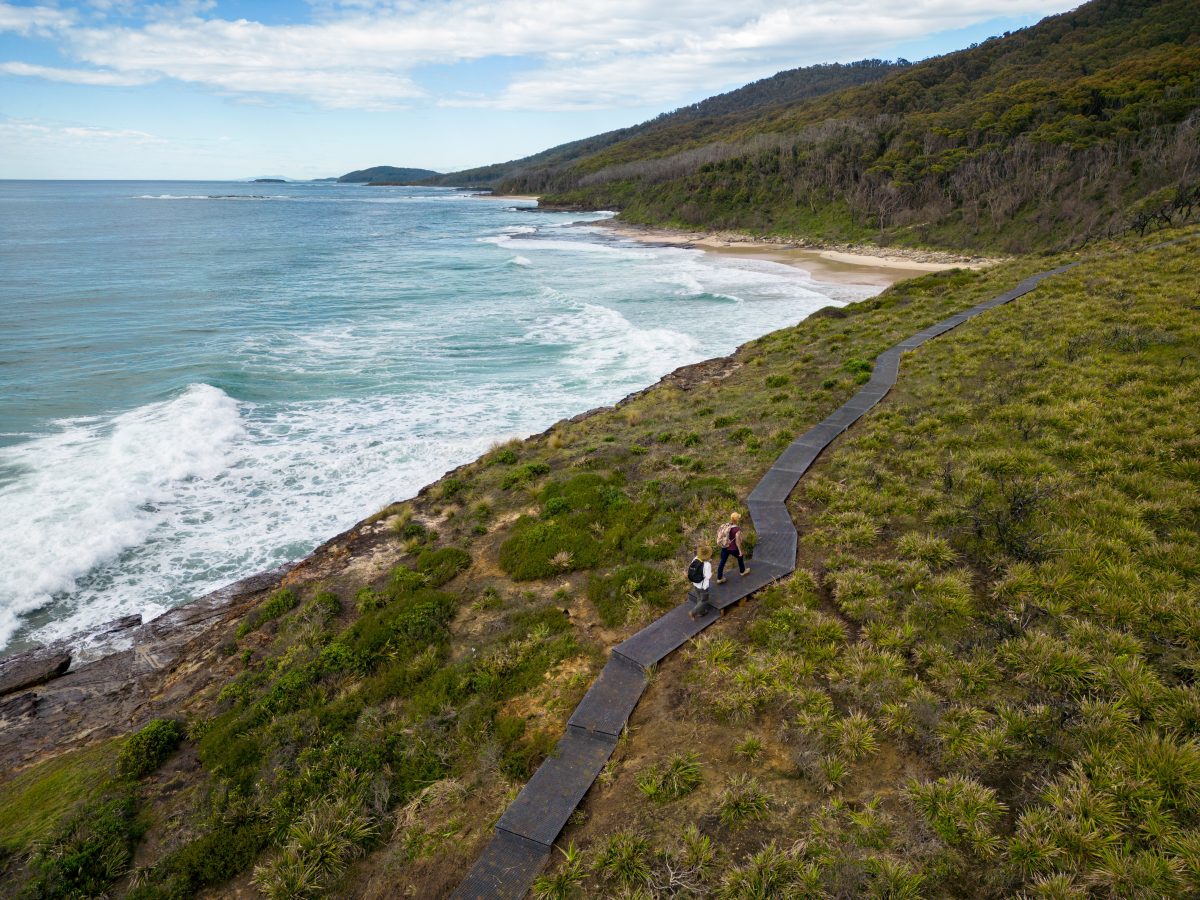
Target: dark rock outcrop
{"x":31,"y":668}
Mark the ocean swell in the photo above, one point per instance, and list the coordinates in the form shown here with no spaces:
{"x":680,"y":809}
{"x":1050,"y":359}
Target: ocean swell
{"x":95,"y":488}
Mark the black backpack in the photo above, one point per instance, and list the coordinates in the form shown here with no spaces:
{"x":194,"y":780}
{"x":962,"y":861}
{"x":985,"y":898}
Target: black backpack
{"x":696,"y":571}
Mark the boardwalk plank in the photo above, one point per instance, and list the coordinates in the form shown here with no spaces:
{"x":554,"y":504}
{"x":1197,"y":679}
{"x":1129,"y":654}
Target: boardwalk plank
{"x":606,"y":706}
{"x":551,"y":795}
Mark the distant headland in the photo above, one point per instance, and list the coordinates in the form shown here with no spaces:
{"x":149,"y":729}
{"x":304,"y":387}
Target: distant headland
{"x":387,"y":175}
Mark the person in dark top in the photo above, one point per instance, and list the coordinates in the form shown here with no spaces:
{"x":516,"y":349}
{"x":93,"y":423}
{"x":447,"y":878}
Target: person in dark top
{"x":729,"y":540}
{"x":699,"y":592}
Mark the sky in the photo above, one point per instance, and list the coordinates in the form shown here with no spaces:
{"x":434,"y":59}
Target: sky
{"x":203,"y":89}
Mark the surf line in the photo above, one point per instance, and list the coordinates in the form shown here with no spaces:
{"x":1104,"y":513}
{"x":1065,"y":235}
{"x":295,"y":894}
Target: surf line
{"x":526,"y":832}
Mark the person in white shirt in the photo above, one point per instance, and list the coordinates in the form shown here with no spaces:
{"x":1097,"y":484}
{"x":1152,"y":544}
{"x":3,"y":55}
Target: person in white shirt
{"x":701,"y":568}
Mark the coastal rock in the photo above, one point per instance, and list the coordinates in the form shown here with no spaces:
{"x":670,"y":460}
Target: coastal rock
{"x":122,"y":624}
{"x":125,"y":673}
{"x":33,"y":667}
{"x":23,"y":706}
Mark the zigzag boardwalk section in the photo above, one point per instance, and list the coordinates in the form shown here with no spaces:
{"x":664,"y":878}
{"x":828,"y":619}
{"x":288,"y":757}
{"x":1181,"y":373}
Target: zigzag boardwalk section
{"x":526,"y":832}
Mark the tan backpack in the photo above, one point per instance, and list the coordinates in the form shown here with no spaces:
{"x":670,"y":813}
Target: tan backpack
{"x":723,"y":539}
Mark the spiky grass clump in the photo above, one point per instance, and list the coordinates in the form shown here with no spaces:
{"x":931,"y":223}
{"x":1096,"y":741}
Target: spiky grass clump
{"x":624,"y":861}
{"x":742,"y":801}
{"x":678,"y":777}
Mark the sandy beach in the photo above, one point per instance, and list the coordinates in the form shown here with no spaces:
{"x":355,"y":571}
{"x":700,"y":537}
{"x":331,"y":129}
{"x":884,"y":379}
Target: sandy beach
{"x":507,"y":196}
{"x":840,"y":264}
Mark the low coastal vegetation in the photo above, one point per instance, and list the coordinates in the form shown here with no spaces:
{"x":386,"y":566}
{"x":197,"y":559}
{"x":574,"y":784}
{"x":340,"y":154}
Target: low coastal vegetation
{"x":979,"y":683}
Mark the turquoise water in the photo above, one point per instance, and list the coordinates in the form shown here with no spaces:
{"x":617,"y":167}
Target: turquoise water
{"x":201,"y":380}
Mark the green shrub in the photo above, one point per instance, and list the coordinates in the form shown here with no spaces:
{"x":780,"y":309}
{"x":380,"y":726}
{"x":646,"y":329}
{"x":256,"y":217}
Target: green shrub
{"x":777,"y":381}
{"x":628,"y":587}
{"x":145,"y":750}
{"x":451,"y":487}
{"x":402,"y":580}
{"x":539,"y":549}
{"x":524,"y":474}
{"x":367,"y":599}
{"x":337,"y":657}
{"x":91,"y":850}
{"x":584,"y":519}
{"x":280,"y":602}
{"x":402,"y":628}
{"x":413,"y":530}
{"x":439,"y":566}
{"x":328,"y":604}
{"x":223,"y":851}
{"x":504,"y":457}
{"x":556,"y":505}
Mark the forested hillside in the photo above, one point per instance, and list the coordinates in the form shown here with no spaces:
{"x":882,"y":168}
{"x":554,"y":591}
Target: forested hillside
{"x":698,"y":122}
{"x":1038,"y":139}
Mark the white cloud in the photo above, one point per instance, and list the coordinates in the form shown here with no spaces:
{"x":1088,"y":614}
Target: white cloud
{"x":37,"y":20}
{"x":76,"y":76}
{"x":24,"y":132}
{"x":620,"y":53}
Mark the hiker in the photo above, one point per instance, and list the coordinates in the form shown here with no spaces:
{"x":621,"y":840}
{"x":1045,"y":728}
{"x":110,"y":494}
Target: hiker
{"x":700,"y":575}
{"x":729,"y":538}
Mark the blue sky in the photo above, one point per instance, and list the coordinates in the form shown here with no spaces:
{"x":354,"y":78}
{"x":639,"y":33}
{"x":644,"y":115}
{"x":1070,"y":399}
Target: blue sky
{"x":201,"y":89}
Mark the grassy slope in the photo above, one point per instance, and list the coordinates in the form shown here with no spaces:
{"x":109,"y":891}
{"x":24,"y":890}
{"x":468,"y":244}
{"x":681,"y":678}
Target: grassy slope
{"x":1001,"y":592}
{"x":983,"y":683}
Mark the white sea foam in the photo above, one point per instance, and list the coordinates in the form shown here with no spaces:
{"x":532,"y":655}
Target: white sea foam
{"x":540,"y":244}
{"x":214,"y":197}
{"x":605,"y":346}
{"x":520,"y":261}
{"x":97,"y":488}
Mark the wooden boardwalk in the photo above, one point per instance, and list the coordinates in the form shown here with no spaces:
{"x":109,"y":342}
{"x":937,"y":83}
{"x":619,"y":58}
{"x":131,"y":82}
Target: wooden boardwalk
{"x":526,"y":832}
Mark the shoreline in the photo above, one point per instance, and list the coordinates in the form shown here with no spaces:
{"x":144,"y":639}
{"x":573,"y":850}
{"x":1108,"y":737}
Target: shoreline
{"x":533,"y":197}
{"x":837,"y":264}
{"x":92,"y":645}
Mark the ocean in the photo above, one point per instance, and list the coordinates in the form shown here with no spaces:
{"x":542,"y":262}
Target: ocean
{"x":200,"y":380}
